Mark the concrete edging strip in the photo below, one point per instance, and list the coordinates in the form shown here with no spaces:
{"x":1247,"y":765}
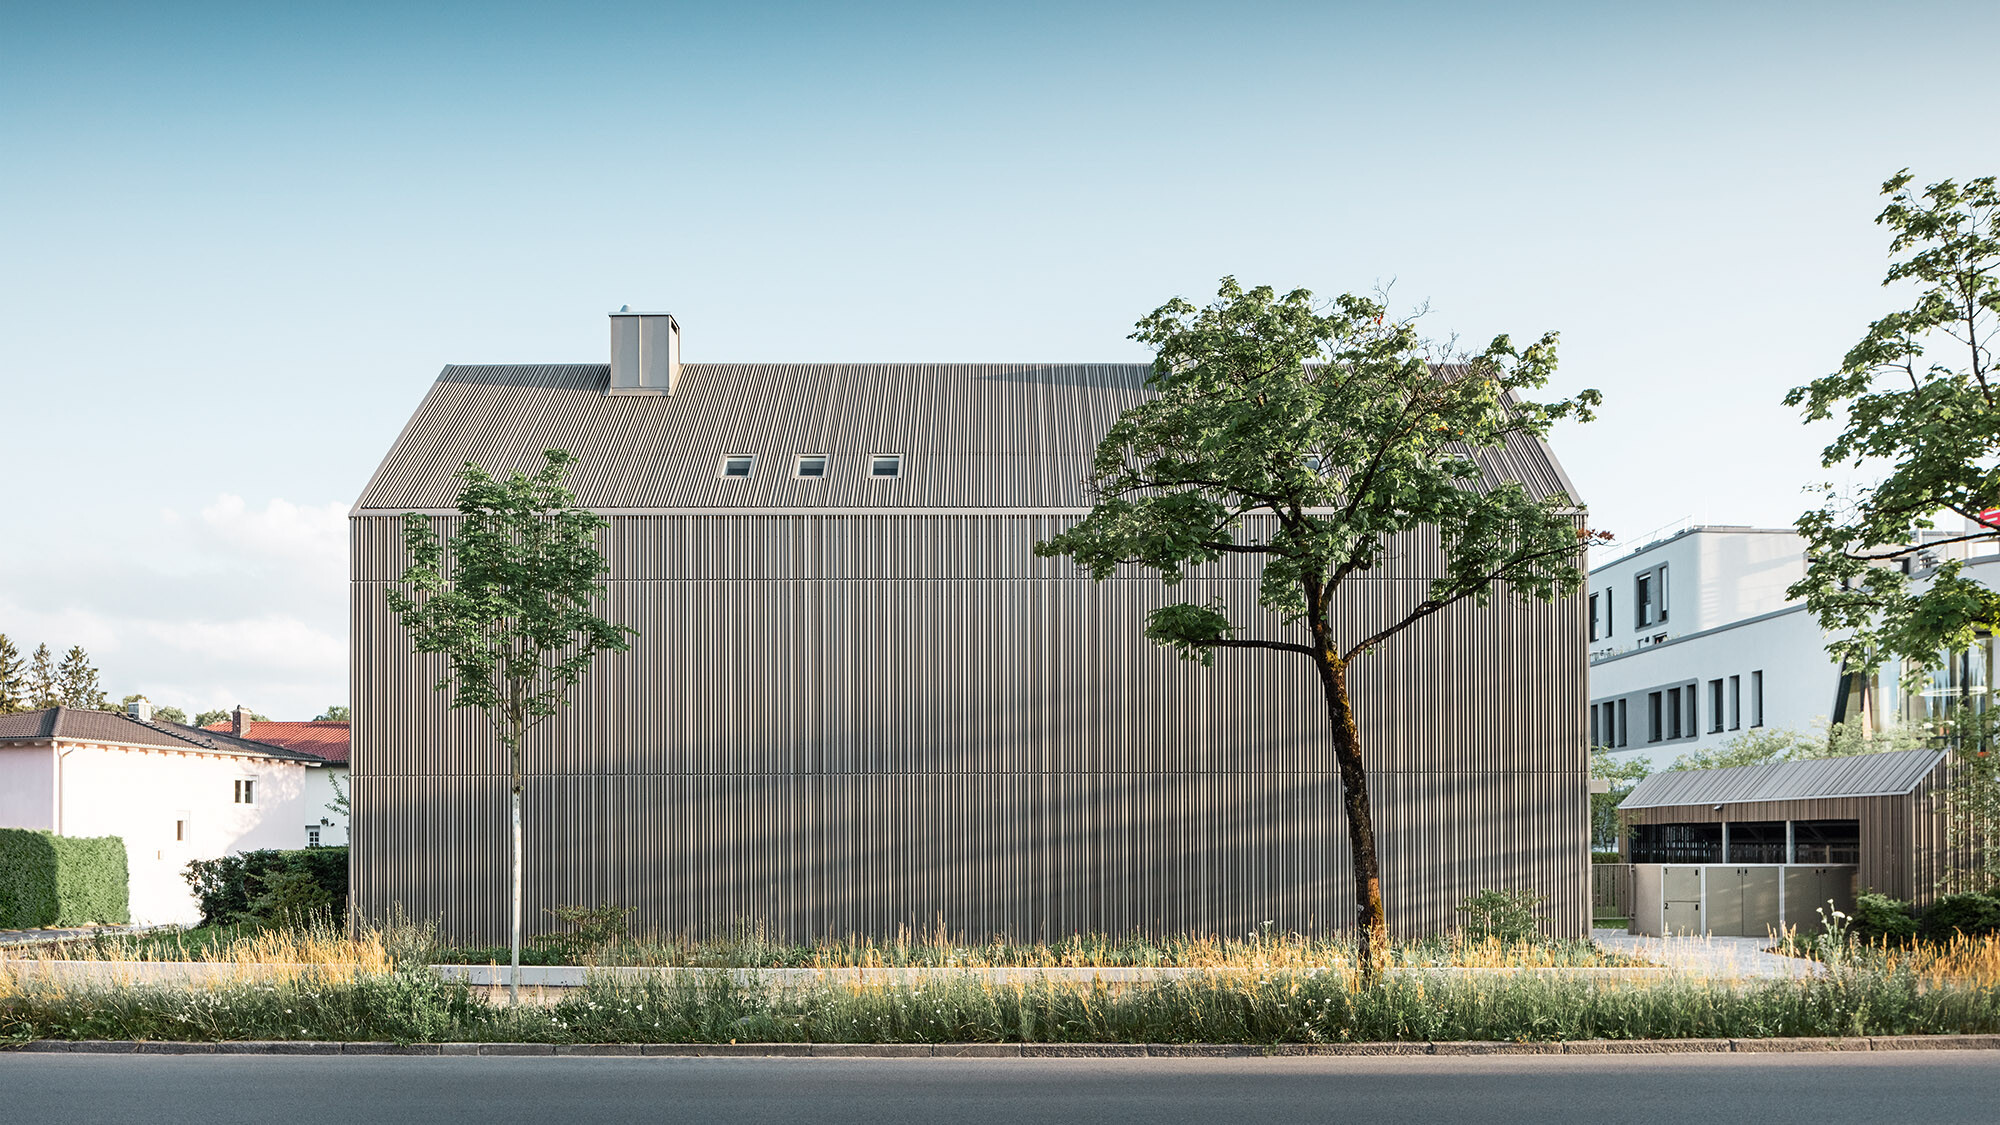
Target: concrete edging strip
{"x":1025,"y":1050}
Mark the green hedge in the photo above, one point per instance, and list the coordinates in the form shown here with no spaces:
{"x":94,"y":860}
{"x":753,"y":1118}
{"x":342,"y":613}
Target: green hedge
{"x":271,"y":886}
{"x":51,"y":880}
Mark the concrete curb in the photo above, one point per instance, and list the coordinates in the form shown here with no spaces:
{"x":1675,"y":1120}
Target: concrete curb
{"x":1029,"y":1050}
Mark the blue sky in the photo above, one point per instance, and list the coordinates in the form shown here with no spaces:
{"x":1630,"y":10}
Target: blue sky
{"x":237,"y":242}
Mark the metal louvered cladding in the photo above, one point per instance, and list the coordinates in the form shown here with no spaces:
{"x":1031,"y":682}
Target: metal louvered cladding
{"x":842,"y":724}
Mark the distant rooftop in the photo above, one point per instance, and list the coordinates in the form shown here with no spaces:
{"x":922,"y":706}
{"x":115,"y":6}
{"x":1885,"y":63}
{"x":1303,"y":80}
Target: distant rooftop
{"x":1866,"y":775}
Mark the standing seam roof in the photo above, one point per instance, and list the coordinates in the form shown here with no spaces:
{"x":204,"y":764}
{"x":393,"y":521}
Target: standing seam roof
{"x":971,"y":435}
{"x":1865,"y":775}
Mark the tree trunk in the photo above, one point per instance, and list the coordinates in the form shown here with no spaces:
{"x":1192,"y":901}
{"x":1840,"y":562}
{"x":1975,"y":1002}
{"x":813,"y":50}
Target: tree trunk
{"x":514,"y":945}
{"x":1371,"y":925}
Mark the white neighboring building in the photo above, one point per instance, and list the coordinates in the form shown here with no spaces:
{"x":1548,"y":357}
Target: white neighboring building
{"x":174,"y":793}
{"x":325,"y":825}
{"x":1693,"y":642}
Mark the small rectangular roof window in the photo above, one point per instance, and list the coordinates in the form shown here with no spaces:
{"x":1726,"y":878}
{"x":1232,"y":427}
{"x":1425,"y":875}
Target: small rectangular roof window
{"x":886,"y":465}
{"x":738,"y":465}
{"x":811,"y":466}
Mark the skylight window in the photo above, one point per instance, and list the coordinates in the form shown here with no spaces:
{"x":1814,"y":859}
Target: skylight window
{"x":811,"y":466}
{"x":886,"y":465}
{"x":738,"y":465}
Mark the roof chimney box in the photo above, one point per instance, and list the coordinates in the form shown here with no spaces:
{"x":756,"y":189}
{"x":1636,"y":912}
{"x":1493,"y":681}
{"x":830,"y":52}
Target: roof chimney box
{"x":239,"y":722}
{"x":140,"y":709}
{"x":645,"y":353}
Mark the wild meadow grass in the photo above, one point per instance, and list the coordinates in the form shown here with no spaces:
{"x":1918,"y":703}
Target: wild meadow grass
{"x":1281,"y":1006}
{"x":750,"y":948}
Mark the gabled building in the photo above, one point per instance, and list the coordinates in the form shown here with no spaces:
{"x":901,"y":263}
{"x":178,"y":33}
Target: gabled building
{"x":325,"y":739}
{"x":858,"y":701}
{"x":173,"y":792}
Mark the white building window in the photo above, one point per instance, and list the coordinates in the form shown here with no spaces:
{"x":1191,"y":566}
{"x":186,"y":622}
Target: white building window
{"x":246,"y":792}
{"x":885,"y":465}
{"x":811,"y":466}
{"x":312,"y":835}
{"x":737,"y":466}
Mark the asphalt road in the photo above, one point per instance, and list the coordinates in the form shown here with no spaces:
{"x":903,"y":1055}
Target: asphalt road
{"x":1932,"y":1087}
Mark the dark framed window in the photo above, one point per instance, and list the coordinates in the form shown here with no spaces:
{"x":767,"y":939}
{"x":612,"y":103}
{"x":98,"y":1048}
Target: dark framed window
{"x":1621,"y":723}
{"x":1756,"y":841}
{"x":737,"y":466}
{"x":1757,"y":698}
{"x":1714,"y":706}
{"x":1660,"y":592}
{"x":885,"y":465}
{"x":1595,"y":739}
{"x":1642,"y":600}
{"x":1735,"y":703}
{"x":1653,"y":716}
{"x":811,"y":466}
{"x":1673,"y":712}
{"x":1692,"y":697}
{"x":1826,"y":841}
{"x":1677,"y":843}
{"x":1593,"y":617}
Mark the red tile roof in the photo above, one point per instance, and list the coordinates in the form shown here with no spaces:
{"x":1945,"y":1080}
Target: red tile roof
{"x":73,"y":725}
{"x":323,"y":740}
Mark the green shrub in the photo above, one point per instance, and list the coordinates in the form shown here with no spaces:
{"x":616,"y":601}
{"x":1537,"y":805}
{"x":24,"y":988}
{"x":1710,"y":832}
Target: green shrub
{"x":1507,"y":917}
{"x":50,"y":880}
{"x":1972,"y":915}
{"x":271,"y":886}
{"x":1606,"y":857}
{"x":1879,"y":919}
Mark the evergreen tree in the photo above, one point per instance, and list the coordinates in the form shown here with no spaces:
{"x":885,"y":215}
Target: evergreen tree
{"x":43,"y":688}
{"x":76,"y":682}
{"x":13,"y":678}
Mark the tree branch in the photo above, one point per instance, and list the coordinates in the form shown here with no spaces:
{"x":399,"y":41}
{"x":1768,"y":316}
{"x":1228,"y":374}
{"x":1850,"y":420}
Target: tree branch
{"x":1279,"y":646}
{"x":1472,"y":586}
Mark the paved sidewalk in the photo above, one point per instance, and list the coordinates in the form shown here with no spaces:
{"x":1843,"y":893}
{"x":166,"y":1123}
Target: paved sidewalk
{"x":1737,"y":957}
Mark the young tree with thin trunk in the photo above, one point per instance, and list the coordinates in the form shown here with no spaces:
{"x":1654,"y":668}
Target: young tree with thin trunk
{"x":1309,"y":438}
{"x":510,"y":602}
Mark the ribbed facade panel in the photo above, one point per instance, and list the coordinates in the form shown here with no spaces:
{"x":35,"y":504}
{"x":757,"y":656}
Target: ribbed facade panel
{"x":848,"y":724}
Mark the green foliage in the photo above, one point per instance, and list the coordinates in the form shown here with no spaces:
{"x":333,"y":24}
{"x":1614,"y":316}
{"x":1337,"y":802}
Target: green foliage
{"x":167,"y":714}
{"x":516,"y":618}
{"x":210,"y":718}
{"x":1622,"y":775}
{"x":44,"y":689}
{"x":1784,"y":744}
{"x":271,"y":886}
{"x":77,"y":682}
{"x":1509,"y":917}
{"x":1879,"y":920}
{"x":1973,"y":915}
{"x":1934,"y":424}
{"x":50,"y":880}
{"x":1304,"y":439}
{"x":1275,"y":1007}
{"x":13,"y":678}
{"x":589,"y":932}
{"x":337,"y":713}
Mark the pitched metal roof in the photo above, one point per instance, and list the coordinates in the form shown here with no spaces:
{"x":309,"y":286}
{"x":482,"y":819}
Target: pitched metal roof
{"x":325,"y":739}
{"x":992,"y":435}
{"x":1866,"y":775}
{"x":72,"y":724}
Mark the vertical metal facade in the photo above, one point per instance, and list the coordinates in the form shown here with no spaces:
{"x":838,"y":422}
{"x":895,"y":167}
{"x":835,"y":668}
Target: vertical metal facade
{"x":851,"y":720}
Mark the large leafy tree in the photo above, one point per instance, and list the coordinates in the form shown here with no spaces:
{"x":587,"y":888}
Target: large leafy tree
{"x":1917,"y":394}
{"x":1311,"y":437}
{"x":510,"y":603}
{"x":13,"y":678}
{"x":1620,"y":777}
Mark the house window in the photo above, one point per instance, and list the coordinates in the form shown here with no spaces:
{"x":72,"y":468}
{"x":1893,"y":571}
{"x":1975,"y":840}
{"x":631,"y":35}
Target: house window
{"x":1660,"y":592}
{"x":1714,"y":706}
{"x":1594,"y":740}
{"x":180,"y":831}
{"x":738,"y":465}
{"x":810,"y":467}
{"x":1757,"y":699}
{"x":886,"y":465}
{"x":1621,"y":723}
{"x":1693,"y":697}
{"x":312,"y":835}
{"x":1593,"y":617}
{"x":1653,"y":716}
{"x":1608,"y":618}
{"x":1642,"y":600}
{"x":1735,"y":703}
{"x":246,"y":793}
{"x":1673,"y":713}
